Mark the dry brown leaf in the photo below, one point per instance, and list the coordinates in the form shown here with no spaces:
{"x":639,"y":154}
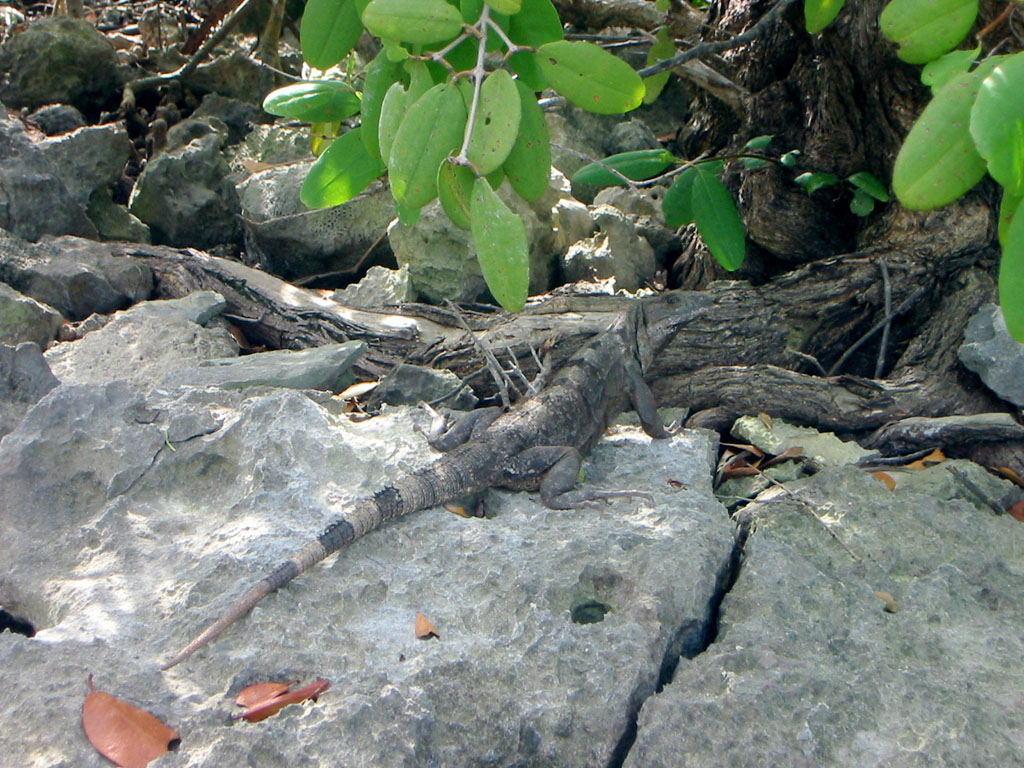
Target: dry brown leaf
{"x":933,"y":458}
{"x":890,"y":602}
{"x":424,"y":629}
{"x":765,"y":419}
{"x":885,"y":479}
{"x":460,"y":511}
{"x":252,"y":695}
{"x":1017,"y":511}
{"x":125,"y":735}
{"x":261,"y":709}
{"x":1010,"y":475}
{"x":746,"y":447}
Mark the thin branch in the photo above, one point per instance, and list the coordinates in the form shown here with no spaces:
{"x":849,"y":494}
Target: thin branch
{"x":884,"y":344}
{"x":146,"y":83}
{"x":703,"y":50}
{"x":478,"y":79}
{"x":905,"y":304}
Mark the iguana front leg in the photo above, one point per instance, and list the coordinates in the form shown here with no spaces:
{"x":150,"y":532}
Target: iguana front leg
{"x":558,"y":466}
{"x":444,"y":436}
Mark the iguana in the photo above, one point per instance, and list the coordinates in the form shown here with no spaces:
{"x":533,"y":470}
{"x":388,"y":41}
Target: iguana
{"x":537,"y":444}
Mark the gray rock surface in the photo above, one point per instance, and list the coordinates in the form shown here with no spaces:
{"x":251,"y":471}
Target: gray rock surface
{"x":185,"y":197}
{"x":413,"y":384}
{"x":24,"y":319}
{"x":90,"y":159}
{"x":379,"y":288}
{"x":165,"y":506}
{"x":239,"y":116}
{"x":810,"y":669}
{"x":34,"y":201}
{"x":327,"y":368}
{"x":24,"y":379}
{"x":823,"y":447}
{"x":76,"y":277}
{"x":298,"y":242}
{"x":991,"y":352}
{"x":59,"y":59}
{"x":144,"y":344}
{"x":55,"y":119}
{"x":616,"y":251}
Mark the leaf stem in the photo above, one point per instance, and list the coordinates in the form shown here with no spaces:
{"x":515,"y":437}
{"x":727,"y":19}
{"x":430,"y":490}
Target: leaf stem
{"x":478,"y":79}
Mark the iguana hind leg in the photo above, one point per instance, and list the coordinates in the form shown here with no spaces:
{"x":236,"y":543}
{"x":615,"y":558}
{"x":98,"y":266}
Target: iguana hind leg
{"x":444,"y":435}
{"x":559,"y":468}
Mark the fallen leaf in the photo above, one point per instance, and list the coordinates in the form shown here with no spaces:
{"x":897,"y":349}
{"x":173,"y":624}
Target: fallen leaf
{"x":125,"y":735}
{"x":746,"y":447}
{"x":890,"y":602}
{"x":460,"y":511}
{"x":260,"y":692}
{"x":424,"y":629}
{"x":357,"y":390}
{"x":1017,"y":511}
{"x":1010,"y":475}
{"x":933,"y":458}
{"x":673,"y":483}
{"x":793,"y":452}
{"x":765,"y":419}
{"x":274,"y":704}
{"x":885,"y":479}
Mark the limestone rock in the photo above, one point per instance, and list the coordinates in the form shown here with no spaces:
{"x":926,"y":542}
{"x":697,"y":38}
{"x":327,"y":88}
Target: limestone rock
{"x":823,"y":447}
{"x":34,"y":200}
{"x":59,"y":59}
{"x":554,"y":624}
{"x":25,"y":319}
{"x":616,"y":251}
{"x":90,"y":159}
{"x":147,"y":342}
{"x":185,"y":197}
{"x":379,"y":288}
{"x":993,"y":354}
{"x":24,"y":379}
{"x":810,"y":669}
{"x":76,"y":277}
{"x":55,"y":119}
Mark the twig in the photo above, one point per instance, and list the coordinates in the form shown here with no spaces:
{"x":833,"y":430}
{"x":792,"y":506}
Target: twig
{"x":497,"y":372}
{"x":703,"y":50}
{"x":887,"y":292}
{"x":1003,"y":16}
{"x":478,"y":79}
{"x":975,"y":491}
{"x":906,"y":303}
{"x":811,"y":359}
{"x":146,"y":83}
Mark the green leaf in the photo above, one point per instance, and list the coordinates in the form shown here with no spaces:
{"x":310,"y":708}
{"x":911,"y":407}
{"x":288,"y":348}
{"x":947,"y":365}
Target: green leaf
{"x":528,"y":165}
{"x":870,"y":185}
{"x":590,"y":77}
{"x":328,"y":31}
{"x":997,"y":124}
{"x":1011,"y":279}
{"x":471,"y":10}
{"x":812,"y":182}
{"x":506,"y":6}
{"x":1008,"y":207}
{"x":318,"y":101}
{"x":759,"y":142}
{"x":431,"y":128}
{"x":497,"y":122}
{"x":789,"y":158}
{"x":380,"y":75}
{"x":537,"y":23}
{"x":637,"y":165}
{"x":396,"y":101}
{"x":341,"y":173}
{"x":408,"y":216}
{"x":321,"y":135}
{"x":926,"y":29}
{"x":664,"y":48}
{"x":939,"y":72}
{"x":818,"y":14}
{"x":862,"y":203}
{"x":938,"y":162}
{"x":413,"y":21}
{"x":499,"y":238}
{"x":718,"y":221}
{"x":677,"y":205}
{"x":454,"y":190}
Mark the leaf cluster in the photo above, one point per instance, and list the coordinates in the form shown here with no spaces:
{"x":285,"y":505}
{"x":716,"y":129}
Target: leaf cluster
{"x":449,"y":110}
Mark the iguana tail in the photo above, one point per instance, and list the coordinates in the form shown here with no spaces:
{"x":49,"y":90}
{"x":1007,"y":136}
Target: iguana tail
{"x":367,"y":515}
